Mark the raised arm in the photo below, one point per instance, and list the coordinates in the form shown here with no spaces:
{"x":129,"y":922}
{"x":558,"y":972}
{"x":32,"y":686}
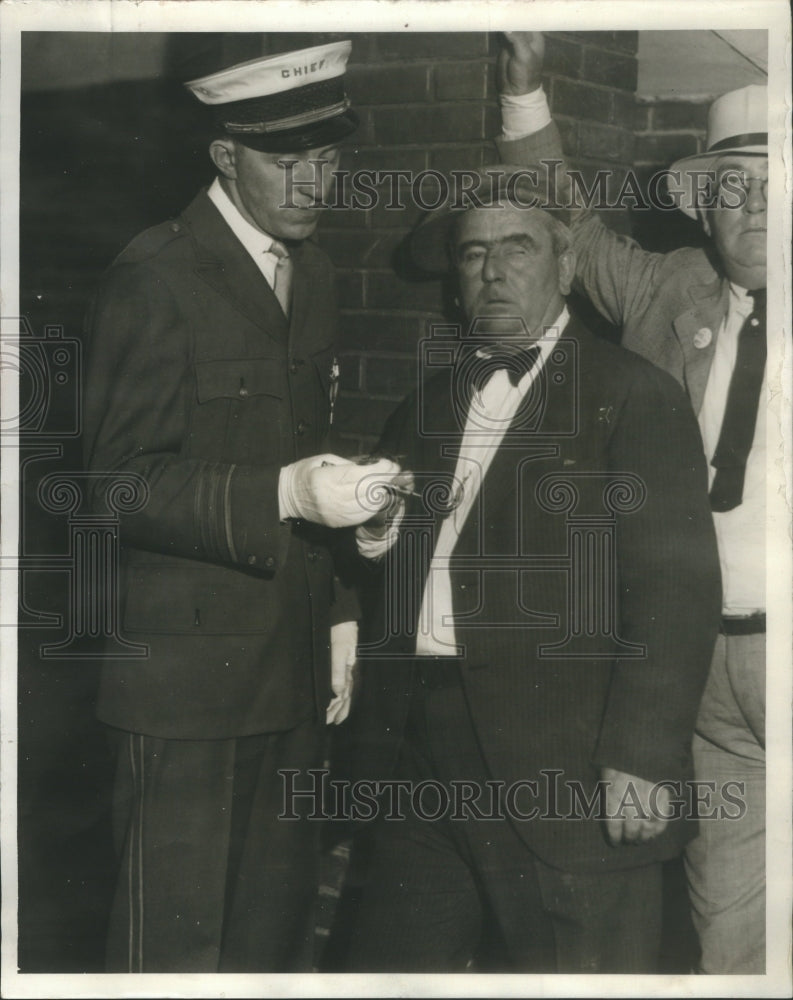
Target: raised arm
{"x":612,"y":270}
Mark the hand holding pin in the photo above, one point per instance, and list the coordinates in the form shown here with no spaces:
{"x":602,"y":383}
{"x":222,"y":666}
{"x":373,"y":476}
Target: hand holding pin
{"x":404,"y":489}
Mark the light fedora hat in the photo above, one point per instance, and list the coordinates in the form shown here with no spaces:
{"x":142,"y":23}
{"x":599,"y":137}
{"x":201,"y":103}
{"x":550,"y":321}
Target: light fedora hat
{"x":737,"y":123}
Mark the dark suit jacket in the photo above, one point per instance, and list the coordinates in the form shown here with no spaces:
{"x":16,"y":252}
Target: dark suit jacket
{"x":197,"y":383}
{"x":610,"y":461}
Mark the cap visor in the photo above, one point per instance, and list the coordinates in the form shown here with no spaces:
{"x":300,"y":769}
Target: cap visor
{"x":323,"y":133}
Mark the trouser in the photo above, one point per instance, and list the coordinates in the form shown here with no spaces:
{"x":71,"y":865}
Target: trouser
{"x":210,"y":878}
{"x":725,"y":863}
{"x":438,"y":892}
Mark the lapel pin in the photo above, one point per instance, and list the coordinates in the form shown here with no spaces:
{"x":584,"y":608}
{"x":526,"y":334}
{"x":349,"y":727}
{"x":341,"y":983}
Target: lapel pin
{"x":703,"y":337}
{"x":605,"y":414}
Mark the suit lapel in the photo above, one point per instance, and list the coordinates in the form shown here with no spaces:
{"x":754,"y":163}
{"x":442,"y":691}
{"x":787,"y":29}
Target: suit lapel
{"x":440,"y":434}
{"x":302,"y":298}
{"x":227,"y":267}
{"x":698,"y":329}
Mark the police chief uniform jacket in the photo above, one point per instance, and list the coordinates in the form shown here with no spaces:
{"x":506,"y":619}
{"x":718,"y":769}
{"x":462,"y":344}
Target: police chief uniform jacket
{"x":614,"y":457}
{"x":198,"y":384}
{"x":670,"y":306}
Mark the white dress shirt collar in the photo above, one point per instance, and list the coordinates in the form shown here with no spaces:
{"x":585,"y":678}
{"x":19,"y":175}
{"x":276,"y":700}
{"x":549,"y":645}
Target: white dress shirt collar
{"x":257,"y":243}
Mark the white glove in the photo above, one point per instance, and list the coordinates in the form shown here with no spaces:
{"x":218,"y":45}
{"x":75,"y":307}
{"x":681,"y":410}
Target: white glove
{"x":343,"y":654}
{"x":376,"y":537}
{"x":334,"y":491}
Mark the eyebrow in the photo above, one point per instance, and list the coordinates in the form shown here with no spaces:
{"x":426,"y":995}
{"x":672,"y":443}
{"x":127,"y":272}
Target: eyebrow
{"x":523,"y":238}
{"x":736,"y":166}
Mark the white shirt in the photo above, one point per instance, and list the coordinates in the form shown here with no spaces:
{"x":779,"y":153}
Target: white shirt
{"x":490,"y":414}
{"x":740,"y":532}
{"x":257,"y":243}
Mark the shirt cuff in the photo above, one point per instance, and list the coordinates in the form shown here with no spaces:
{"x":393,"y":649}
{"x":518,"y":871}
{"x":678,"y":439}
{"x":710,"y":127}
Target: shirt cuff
{"x":523,"y":114}
{"x":285,"y":506}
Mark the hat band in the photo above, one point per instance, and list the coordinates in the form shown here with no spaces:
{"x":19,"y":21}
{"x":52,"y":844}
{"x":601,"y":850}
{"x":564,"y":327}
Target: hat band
{"x":294,"y":121}
{"x":738,"y":141}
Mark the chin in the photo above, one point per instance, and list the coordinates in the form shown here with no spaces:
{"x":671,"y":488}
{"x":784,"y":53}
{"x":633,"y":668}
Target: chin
{"x":752,"y":259}
{"x":296,"y":229}
{"x":496,"y":309}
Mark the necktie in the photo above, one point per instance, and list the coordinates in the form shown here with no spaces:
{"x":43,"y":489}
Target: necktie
{"x":740,"y":414}
{"x":282,"y":283}
{"x":516,"y":361}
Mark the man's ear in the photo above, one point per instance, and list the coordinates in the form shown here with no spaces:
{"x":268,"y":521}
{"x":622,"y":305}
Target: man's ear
{"x":222,"y":154}
{"x":566,"y":270}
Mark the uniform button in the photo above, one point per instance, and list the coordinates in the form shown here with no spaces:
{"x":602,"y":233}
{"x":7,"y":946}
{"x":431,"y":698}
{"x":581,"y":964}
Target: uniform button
{"x":243,"y":391}
{"x":302,"y":427}
{"x":269,"y":562}
{"x":251,"y":560}
{"x":175,"y":227}
{"x":313,"y":556}
{"x":462,"y":586}
{"x":295,"y":365}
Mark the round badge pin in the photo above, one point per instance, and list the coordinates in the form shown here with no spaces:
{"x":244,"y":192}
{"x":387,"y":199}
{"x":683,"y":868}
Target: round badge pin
{"x":703,"y":337}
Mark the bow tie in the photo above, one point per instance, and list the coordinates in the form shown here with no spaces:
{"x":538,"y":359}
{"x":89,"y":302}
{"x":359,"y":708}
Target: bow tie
{"x":515,"y":361}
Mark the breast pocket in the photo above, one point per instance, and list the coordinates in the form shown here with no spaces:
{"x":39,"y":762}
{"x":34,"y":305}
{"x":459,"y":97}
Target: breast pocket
{"x":238,"y":413}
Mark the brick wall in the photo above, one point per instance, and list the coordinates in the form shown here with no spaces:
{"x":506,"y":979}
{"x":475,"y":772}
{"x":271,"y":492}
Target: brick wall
{"x":665,"y":131}
{"x":101,"y":163}
{"x":428,"y":101}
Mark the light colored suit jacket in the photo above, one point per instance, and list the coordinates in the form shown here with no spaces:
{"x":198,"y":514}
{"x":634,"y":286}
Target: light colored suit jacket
{"x":664,"y":303}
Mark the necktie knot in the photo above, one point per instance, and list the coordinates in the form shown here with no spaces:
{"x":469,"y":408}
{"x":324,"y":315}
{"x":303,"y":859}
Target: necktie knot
{"x":279,"y":250}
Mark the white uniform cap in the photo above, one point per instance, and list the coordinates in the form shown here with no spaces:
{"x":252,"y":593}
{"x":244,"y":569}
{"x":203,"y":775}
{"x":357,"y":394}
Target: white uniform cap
{"x":272,"y":74}
{"x":289,"y":101}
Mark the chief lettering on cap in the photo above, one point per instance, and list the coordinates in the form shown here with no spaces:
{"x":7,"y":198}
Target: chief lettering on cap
{"x":737,"y":123}
{"x":283,"y":103}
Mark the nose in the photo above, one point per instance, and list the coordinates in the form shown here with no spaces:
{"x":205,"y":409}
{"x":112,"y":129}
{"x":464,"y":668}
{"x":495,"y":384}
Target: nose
{"x":756,"y":197}
{"x":307,"y":182}
{"x":490,"y":269}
